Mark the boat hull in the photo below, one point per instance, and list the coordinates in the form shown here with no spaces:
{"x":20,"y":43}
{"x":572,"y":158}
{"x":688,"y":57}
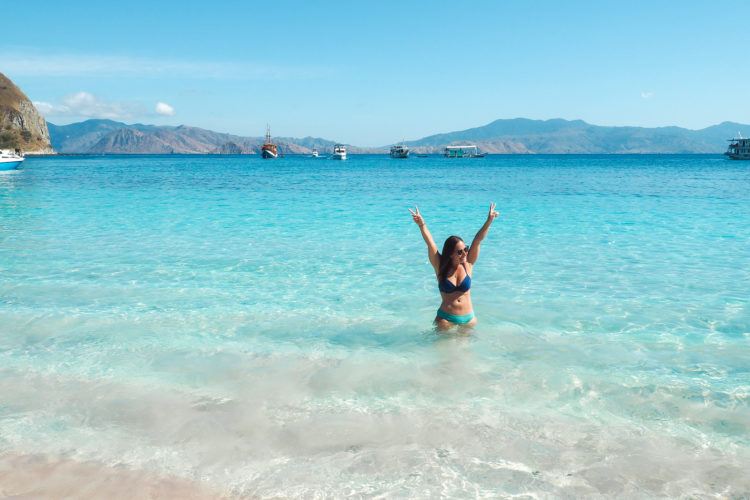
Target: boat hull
{"x":400,"y":155}
{"x":339,"y":156}
{"x":10,"y":165}
{"x":268,"y":154}
{"x":478,"y":155}
{"x":732,"y":156}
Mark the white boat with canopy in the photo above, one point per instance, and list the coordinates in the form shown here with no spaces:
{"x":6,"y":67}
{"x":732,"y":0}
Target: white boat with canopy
{"x":739,"y":148}
{"x":463,"y":151}
{"x":339,"y":152}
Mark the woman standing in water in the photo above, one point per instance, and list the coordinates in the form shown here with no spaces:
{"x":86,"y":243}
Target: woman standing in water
{"x":453,"y":268}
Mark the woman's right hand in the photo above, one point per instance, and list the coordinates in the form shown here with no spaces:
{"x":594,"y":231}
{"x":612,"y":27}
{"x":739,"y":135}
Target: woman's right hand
{"x":417,"y":216}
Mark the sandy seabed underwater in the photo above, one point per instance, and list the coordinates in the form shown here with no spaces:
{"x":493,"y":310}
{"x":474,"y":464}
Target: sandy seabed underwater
{"x":227,"y":326}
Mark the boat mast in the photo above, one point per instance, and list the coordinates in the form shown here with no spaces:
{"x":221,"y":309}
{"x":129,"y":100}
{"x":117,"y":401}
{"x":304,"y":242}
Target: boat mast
{"x":268,"y":134}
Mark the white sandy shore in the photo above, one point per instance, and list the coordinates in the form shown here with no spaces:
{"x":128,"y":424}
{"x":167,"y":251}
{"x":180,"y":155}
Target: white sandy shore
{"x":42,"y":477}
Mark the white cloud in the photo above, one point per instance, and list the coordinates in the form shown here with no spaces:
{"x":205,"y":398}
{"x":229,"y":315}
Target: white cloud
{"x":25,"y":62}
{"x":162,"y":108}
{"x":87,"y":105}
{"x":44,"y":108}
{"x":647,"y":94}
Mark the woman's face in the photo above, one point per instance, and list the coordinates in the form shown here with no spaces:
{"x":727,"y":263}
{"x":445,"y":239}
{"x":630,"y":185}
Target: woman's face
{"x":459,"y":253}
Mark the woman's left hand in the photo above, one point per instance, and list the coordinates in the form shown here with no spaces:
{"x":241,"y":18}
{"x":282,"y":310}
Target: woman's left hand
{"x":493,"y":213}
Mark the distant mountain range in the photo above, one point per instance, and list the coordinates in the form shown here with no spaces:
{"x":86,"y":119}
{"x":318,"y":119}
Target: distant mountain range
{"x":558,"y":136}
{"x":107,"y":136}
{"x":519,"y":135}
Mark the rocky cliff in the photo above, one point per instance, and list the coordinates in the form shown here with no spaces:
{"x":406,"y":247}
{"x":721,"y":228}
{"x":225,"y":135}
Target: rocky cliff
{"x":21,"y":125}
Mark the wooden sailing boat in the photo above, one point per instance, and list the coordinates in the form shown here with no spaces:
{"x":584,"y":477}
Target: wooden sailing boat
{"x":269,"y":149}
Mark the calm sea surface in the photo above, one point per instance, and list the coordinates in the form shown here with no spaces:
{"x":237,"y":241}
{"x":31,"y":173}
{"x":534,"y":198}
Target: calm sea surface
{"x":264,"y":327}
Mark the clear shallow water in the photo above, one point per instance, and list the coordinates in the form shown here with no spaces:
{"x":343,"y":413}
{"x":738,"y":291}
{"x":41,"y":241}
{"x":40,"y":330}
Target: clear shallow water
{"x":264,"y":327}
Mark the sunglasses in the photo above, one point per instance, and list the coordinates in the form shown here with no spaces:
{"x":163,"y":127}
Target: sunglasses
{"x":461,"y":251}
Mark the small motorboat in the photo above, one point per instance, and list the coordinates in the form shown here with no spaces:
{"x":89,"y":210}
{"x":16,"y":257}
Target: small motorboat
{"x":339,"y":152}
{"x":10,"y":160}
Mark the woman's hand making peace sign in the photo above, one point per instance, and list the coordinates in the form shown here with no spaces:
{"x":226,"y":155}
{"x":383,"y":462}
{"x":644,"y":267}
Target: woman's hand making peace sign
{"x":493,"y":214}
{"x":417,"y":216}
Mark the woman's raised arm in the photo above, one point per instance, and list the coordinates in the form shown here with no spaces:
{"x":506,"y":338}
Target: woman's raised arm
{"x":432,"y":251}
{"x":474,"y":250}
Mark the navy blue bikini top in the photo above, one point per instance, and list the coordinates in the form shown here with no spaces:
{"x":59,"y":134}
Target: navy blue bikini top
{"x":446,"y":286}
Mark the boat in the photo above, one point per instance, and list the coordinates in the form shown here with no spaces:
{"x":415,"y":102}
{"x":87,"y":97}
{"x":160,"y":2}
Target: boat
{"x":339,"y":152}
{"x":269,"y":150}
{"x":315,"y":153}
{"x":400,"y":151}
{"x":10,"y":160}
{"x":463,"y":151}
{"x":739,"y":148}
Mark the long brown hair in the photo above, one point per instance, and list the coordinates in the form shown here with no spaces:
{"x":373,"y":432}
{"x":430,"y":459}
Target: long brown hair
{"x":445,"y":256}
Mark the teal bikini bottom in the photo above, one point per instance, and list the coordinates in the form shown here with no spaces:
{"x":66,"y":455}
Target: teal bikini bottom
{"x":459,"y":319}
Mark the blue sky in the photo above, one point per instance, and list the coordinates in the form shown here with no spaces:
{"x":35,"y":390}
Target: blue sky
{"x":372,"y":73}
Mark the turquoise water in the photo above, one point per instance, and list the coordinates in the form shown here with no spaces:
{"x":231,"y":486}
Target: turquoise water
{"x":264,"y":327}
